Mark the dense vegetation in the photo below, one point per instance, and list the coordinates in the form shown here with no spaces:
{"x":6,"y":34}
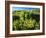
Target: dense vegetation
{"x":26,"y":19}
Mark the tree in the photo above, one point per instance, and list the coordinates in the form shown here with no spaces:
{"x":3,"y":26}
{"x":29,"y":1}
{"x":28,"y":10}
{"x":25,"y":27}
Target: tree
{"x":26,"y":19}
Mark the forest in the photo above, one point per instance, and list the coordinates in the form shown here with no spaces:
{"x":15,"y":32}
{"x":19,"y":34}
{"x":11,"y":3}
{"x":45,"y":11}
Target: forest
{"x":26,"y":19}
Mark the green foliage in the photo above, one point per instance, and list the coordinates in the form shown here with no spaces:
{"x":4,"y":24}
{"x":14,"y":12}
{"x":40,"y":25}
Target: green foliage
{"x":28,"y":19}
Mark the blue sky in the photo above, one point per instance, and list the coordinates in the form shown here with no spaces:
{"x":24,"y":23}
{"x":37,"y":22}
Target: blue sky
{"x":22,"y":8}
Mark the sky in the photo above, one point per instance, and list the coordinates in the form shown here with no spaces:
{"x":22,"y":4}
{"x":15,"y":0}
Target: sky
{"x":22,"y":8}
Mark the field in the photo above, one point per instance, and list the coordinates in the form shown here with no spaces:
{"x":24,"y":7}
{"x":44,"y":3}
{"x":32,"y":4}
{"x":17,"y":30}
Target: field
{"x":26,"y":19}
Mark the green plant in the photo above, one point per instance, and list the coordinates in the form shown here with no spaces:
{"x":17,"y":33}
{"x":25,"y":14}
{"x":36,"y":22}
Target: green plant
{"x":26,"y":19}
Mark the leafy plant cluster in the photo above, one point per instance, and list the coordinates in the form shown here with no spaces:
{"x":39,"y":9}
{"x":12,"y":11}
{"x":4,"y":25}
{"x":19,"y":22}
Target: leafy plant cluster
{"x":26,"y":19}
